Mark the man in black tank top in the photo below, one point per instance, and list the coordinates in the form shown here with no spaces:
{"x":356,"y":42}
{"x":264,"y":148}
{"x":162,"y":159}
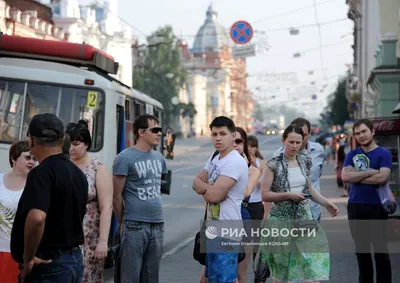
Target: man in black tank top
{"x":47,"y":231}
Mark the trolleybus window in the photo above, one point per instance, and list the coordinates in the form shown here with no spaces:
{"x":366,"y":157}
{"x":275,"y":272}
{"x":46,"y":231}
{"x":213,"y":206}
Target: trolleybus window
{"x":69,"y":103}
{"x":11,"y":105}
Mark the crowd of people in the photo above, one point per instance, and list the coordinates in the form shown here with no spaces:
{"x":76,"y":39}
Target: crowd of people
{"x":56,"y":204}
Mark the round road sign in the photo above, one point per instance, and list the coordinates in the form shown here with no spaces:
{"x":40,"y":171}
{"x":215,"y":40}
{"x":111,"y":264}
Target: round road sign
{"x":241,"y":32}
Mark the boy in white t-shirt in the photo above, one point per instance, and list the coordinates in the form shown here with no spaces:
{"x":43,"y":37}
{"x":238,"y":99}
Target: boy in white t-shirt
{"x":222,"y":184}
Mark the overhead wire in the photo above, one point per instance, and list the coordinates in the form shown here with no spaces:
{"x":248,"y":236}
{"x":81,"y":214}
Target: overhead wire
{"x":319,"y":36}
{"x":291,"y":12}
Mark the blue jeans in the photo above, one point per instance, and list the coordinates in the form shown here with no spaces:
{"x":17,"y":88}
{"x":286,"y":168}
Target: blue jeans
{"x":141,"y":251}
{"x":67,"y":268}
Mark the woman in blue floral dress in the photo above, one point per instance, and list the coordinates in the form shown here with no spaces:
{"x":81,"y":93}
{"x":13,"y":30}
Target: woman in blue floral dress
{"x":286,"y":184}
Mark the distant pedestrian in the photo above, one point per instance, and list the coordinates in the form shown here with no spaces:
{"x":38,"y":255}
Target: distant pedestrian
{"x":339,"y":162}
{"x":11,"y":187}
{"x":97,"y":220}
{"x":366,"y":168}
{"x":137,"y":173}
{"x":47,"y":231}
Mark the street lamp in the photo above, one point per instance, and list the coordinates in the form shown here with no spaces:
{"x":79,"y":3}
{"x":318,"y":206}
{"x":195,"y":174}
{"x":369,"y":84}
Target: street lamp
{"x":175,"y":100}
{"x":169,"y":75}
{"x":294,"y":31}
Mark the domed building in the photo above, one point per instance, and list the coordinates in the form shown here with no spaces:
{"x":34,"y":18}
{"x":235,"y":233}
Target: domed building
{"x":217,"y":81}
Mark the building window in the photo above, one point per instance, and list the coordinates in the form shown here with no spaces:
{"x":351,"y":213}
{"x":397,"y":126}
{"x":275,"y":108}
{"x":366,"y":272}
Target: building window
{"x":56,"y":9}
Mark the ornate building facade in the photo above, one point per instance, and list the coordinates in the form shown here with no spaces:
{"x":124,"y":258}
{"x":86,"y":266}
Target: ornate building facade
{"x":28,"y":18}
{"x":217,"y":82}
{"x":98,"y":26}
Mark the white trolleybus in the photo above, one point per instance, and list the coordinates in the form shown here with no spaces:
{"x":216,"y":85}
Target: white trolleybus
{"x":72,"y":81}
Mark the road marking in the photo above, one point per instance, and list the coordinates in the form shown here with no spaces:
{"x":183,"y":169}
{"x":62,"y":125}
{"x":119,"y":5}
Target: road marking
{"x":178,"y":247}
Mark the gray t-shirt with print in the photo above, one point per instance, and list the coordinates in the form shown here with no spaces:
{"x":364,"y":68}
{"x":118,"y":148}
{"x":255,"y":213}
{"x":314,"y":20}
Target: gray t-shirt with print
{"x":142,"y":191}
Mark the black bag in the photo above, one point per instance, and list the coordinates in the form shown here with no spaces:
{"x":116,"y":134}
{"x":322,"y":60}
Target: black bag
{"x":200,"y":240}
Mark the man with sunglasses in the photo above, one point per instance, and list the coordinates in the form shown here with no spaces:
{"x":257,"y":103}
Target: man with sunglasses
{"x":137,"y":203}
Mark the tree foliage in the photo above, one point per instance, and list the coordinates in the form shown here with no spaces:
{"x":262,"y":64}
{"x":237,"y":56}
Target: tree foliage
{"x":336,"y":112}
{"x":161,"y":74}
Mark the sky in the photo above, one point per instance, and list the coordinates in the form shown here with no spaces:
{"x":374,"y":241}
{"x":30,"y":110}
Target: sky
{"x":275,"y":76}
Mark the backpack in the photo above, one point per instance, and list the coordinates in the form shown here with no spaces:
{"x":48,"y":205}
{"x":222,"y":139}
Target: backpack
{"x":214,"y":155}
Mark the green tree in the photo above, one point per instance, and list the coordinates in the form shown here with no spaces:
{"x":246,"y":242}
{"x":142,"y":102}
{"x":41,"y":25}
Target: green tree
{"x":336,"y":113}
{"x":161,"y":75}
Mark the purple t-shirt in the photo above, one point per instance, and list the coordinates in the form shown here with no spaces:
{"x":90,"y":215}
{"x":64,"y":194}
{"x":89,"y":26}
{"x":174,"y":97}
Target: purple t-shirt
{"x":378,"y":158}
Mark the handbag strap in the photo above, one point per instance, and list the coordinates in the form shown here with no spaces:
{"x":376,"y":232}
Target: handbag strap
{"x":205,"y":211}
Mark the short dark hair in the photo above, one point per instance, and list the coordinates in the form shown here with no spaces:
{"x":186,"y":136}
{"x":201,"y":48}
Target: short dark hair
{"x":142,"y":122}
{"x":222,"y":121}
{"x":366,"y":122}
{"x":66,"y":145}
{"x":292,"y":128}
{"x":17,"y":149}
{"x":80,"y":132}
{"x":301,"y":122}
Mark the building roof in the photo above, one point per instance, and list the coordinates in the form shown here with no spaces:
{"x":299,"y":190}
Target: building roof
{"x":212,"y":36}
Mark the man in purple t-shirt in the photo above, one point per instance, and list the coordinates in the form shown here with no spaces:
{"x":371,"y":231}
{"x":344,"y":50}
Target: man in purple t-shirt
{"x":365,"y":168}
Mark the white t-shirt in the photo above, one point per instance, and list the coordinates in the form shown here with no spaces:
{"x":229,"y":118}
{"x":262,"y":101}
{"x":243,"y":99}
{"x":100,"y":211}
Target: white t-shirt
{"x":8,"y":208}
{"x":234,"y":166}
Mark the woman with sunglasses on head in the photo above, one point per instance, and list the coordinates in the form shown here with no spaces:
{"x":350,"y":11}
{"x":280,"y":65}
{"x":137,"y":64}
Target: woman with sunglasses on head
{"x":241,"y":145}
{"x":97,"y":221}
{"x":11,"y":187}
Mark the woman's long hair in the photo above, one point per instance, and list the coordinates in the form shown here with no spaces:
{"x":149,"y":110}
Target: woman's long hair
{"x":245,"y":143}
{"x":253,"y":142}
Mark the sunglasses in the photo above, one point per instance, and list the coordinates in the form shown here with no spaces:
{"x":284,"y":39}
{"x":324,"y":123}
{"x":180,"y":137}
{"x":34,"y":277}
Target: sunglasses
{"x":238,"y":141}
{"x":154,"y":130}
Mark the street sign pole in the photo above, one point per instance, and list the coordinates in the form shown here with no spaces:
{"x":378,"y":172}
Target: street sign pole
{"x":241,"y":34}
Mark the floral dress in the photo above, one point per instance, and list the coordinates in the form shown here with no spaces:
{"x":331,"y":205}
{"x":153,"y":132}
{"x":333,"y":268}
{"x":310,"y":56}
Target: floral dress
{"x":291,"y":258}
{"x":93,"y":271}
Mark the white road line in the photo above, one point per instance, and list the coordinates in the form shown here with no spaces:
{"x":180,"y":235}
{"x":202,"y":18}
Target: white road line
{"x":186,"y":168}
{"x":178,"y":247}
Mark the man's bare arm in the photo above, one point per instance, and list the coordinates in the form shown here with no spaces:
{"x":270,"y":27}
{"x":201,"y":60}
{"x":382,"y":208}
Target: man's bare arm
{"x":216,"y":192}
{"x":349,"y":175}
{"x":203,"y":175}
{"x":118,"y":204}
{"x":378,"y":179}
{"x":34,"y":227}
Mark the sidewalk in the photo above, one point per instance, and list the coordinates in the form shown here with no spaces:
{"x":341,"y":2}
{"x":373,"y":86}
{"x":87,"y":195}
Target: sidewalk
{"x":181,"y":267}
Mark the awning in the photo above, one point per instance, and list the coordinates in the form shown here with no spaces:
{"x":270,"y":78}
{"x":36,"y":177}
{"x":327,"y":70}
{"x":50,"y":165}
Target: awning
{"x":397,"y":109}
